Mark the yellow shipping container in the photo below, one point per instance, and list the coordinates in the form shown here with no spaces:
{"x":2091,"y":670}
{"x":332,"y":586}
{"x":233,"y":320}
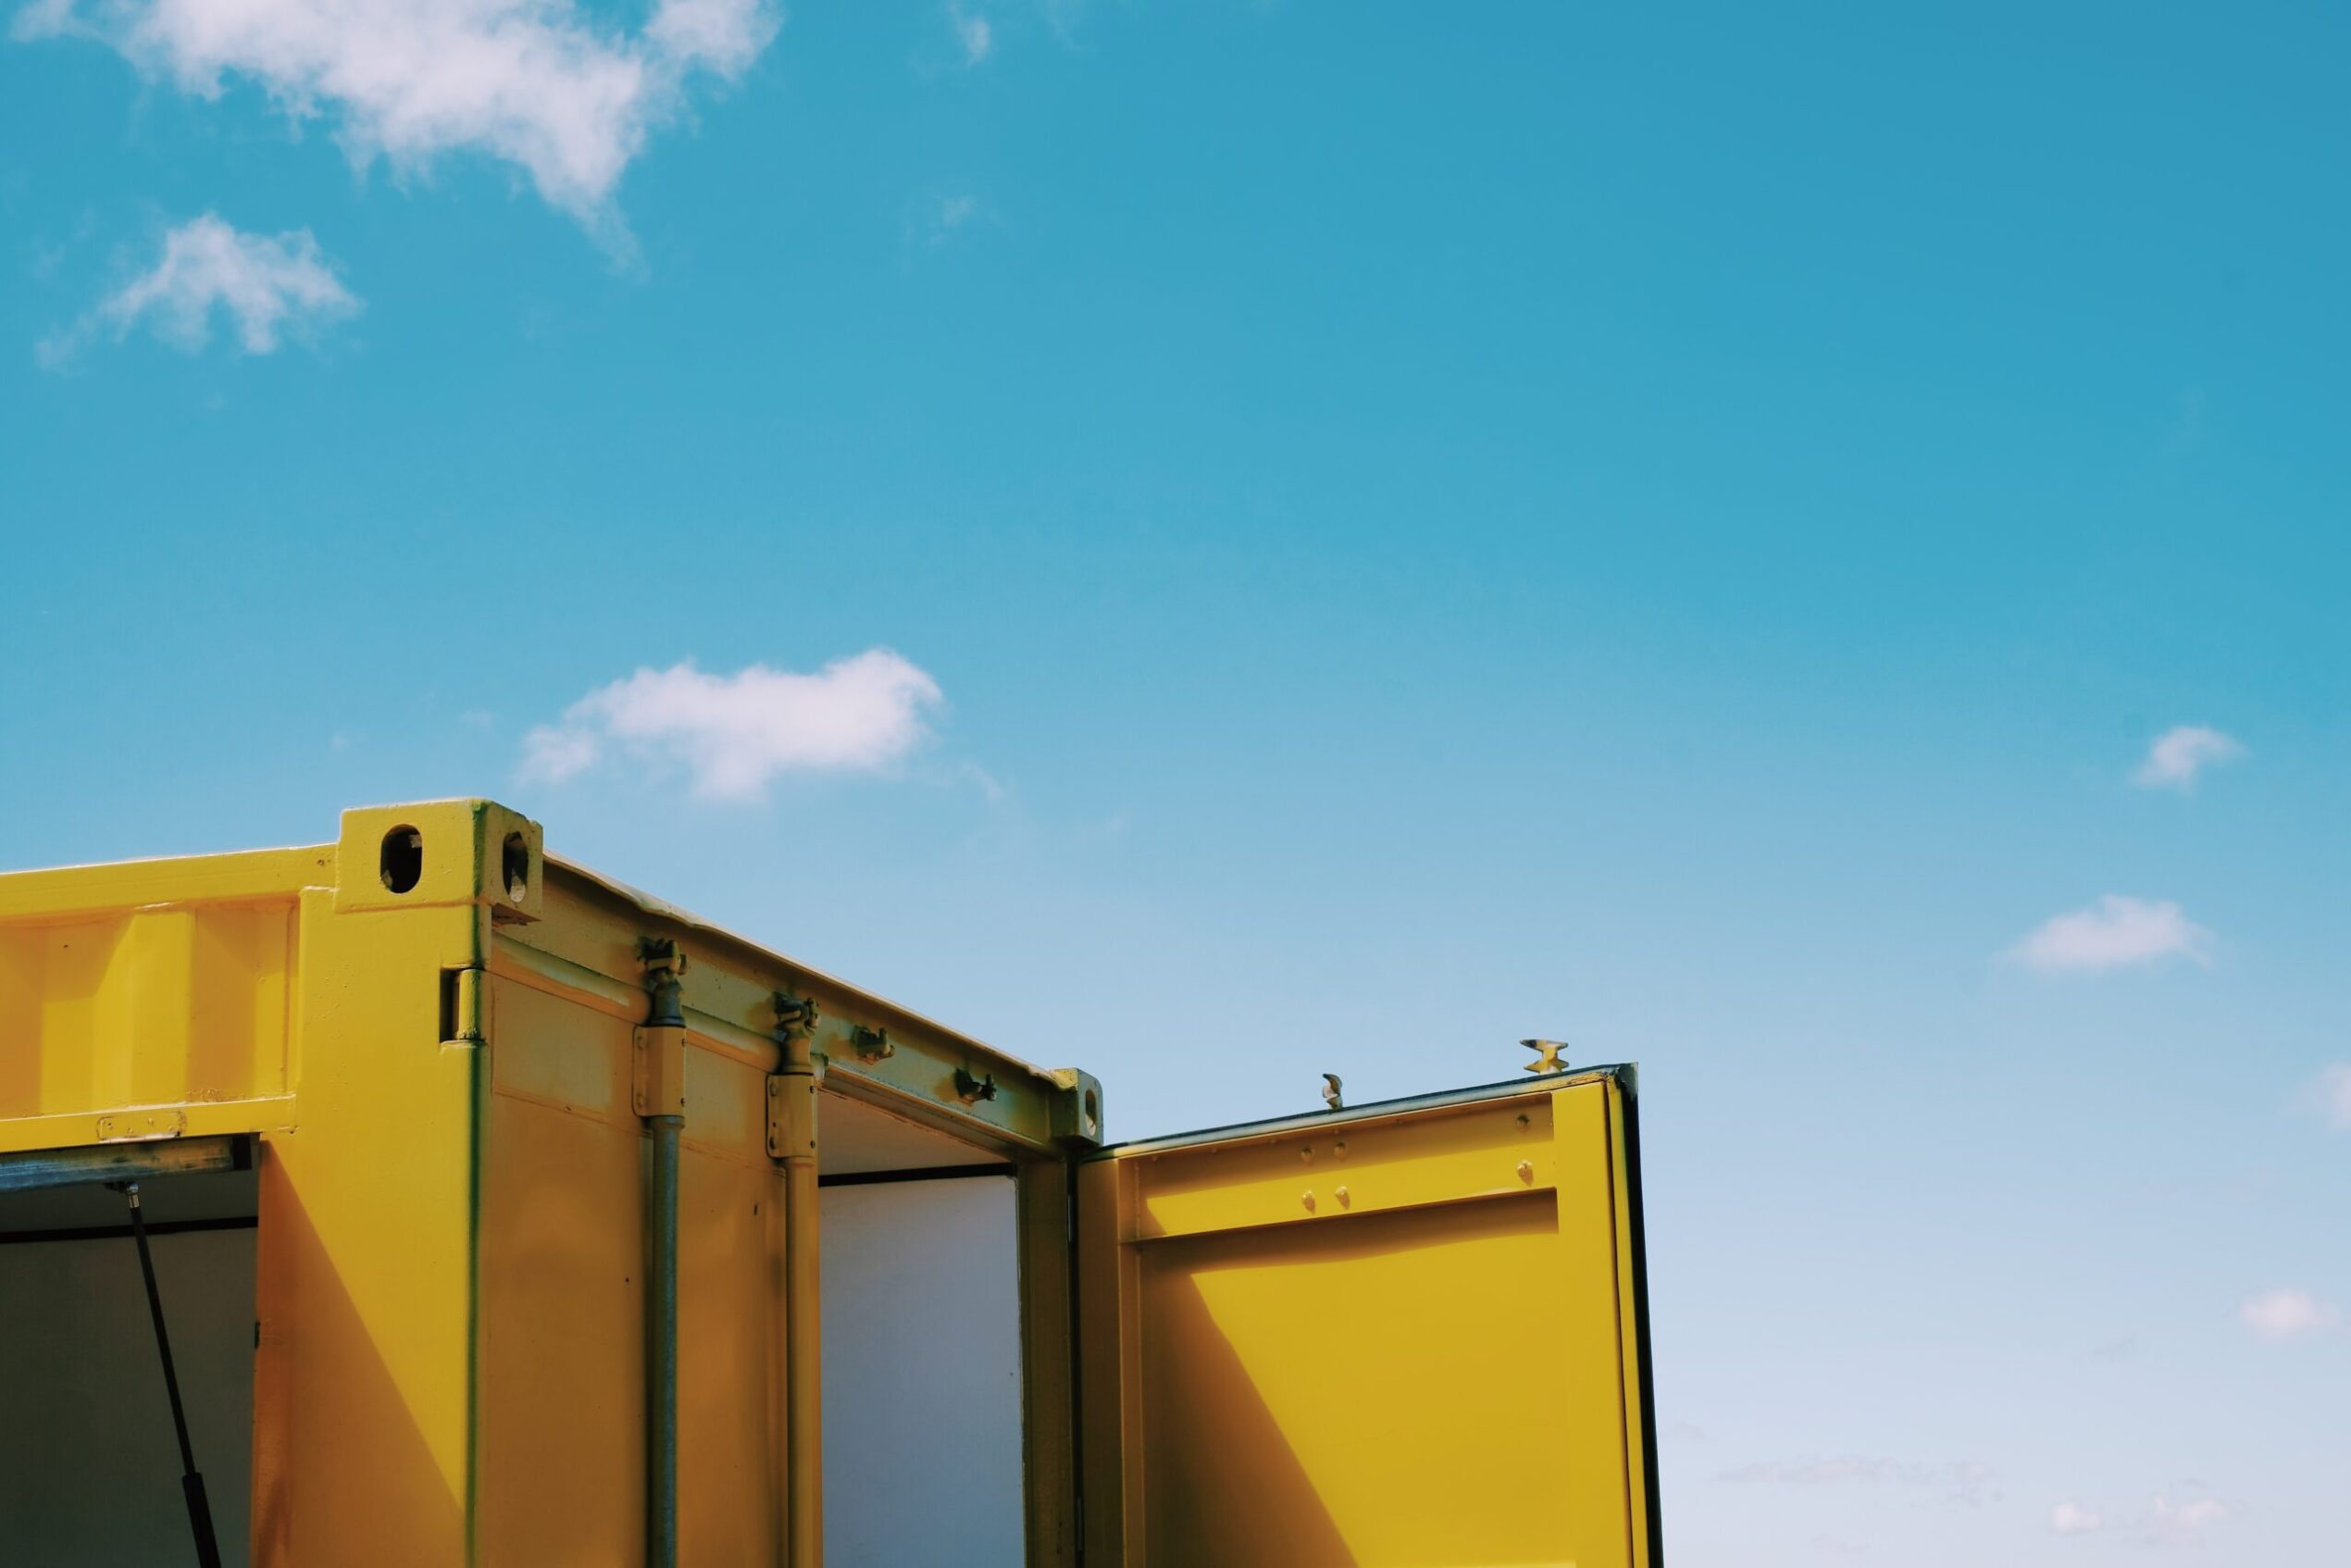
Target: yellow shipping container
{"x":501,"y":1214}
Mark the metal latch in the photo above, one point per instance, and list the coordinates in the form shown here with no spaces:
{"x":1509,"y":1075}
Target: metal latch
{"x":795,"y":1016}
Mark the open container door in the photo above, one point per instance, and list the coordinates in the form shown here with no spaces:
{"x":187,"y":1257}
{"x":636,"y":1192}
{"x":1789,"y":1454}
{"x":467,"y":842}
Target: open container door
{"x":1407,"y":1335}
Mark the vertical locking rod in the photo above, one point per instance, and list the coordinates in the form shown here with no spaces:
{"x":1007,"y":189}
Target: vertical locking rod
{"x":661,"y":1100}
{"x":791,"y":1138}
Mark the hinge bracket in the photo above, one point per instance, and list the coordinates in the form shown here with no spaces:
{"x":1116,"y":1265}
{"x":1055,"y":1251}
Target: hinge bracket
{"x":791,"y":1115}
{"x":657,"y":1086}
{"x":657,"y":1077}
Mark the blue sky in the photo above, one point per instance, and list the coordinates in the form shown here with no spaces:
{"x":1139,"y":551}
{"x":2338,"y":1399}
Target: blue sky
{"x":1387,"y":532}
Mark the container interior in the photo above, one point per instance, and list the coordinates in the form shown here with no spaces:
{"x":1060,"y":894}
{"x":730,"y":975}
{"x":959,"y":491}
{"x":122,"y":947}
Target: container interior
{"x":88,"y":1466}
{"x":922,"y":1346}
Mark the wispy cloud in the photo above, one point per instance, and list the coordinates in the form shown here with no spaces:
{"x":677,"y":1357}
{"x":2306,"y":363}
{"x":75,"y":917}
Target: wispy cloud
{"x":2181,"y":753}
{"x":2287,"y":1314}
{"x":2116,"y":932}
{"x":2334,"y":1095}
{"x":2075,"y":1519}
{"x":973,"y":32}
{"x":2180,"y":1517}
{"x":2176,"y":1516}
{"x":933,"y":219}
{"x":1965,"y":1481}
{"x":532,"y":82}
{"x":734,"y":734}
{"x":941,"y":216}
{"x":269,"y":285}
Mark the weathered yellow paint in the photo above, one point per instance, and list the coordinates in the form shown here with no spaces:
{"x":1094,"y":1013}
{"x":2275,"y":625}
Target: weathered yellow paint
{"x":474,"y":854}
{"x":563,"y":1302}
{"x":165,"y":1006}
{"x":590,"y":933}
{"x":1394,"y":1336}
{"x":1434,"y":1368}
{"x":436,"y":1052}
{"x":364,"y":1374}
{"x":1488,"y":1151}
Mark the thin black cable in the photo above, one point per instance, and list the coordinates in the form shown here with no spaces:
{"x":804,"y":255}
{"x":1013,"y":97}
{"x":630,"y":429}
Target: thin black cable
{"x":190,"y":1483}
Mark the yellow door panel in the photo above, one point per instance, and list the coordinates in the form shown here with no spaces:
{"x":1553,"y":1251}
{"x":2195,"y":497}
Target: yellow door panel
{"x":1399,"y":1339}
{"x":563,"y":1297}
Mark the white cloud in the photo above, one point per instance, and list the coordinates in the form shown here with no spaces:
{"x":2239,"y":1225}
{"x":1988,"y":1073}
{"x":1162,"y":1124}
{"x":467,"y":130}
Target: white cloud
{"x":735,"y":733}
{"x":2075,"y":1519}
{"x":267,"y":285}
{"x":973,"y":32}
{"x":2116,"y":932}
{"x":933,"y":219}
{"x":2182,"y":1519}
{"x":554,"y":752}
{"x":2334,"y":1095}
{"x":1970,"y":1482}
{"x":532,"y":82}
{"x":2182,"y":751}
{"x":720,"y":36}
{"x":2288,"y":1314}
{"x":1815,"y":1472}
{"x":2176,"y":1516}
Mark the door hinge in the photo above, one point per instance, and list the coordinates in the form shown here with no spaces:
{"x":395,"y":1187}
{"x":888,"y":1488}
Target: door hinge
{"x":657,"y":1082}
{"x":657,"y":1075}
{"x":791,"y":1115}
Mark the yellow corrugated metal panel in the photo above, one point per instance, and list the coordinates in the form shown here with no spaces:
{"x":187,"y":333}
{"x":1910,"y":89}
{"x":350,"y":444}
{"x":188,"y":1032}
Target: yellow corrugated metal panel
{"x":249,"y":876}
{"x":562,"y":1304}
{"x":591,"y":929}
{"x":169,"y":985}
{"x":1404,"y":1336}
{"x":1431,"y":1369}
{"x":177,"y":1009}
{"x":562,"y":1297}
{"x":433,"y":1032}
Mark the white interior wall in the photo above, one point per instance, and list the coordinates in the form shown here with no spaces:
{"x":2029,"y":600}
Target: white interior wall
{"x":922,"y":1367}
{"x":89,"y":1470}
